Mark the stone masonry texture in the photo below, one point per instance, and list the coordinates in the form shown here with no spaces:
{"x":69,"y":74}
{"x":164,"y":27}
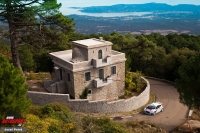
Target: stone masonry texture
{"x":115,"y":89}
{"x":80,"y":60}
{"x":84,"y":105}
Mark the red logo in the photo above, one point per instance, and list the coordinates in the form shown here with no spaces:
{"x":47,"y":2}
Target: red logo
{"x":12,"y":120}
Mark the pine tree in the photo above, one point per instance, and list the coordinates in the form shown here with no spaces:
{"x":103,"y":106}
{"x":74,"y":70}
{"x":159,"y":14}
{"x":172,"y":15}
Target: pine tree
{"x":13,"y":89}
{"x":26,"y":19}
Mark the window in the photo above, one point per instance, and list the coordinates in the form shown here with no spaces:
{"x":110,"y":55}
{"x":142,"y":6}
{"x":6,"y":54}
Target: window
{"x":60,"y":74}
{"x":101,"y":74}
{"x":89,"y":91}
{"x":68,"y":77}
{"x":158,"y":106}
{"x":87,"y":76}
{"x":113,"y":70}
{"x":100,"y":54}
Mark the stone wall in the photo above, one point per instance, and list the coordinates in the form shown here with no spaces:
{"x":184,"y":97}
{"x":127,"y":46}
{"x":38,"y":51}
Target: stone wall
{"x":61,"y":86}
{"x":103,"y":106}
{"x":118,"y":57}
{"x":68,"y":82}
{"x":47,"y":83}
{"x":93,"y":52}
{"x":115,"y":89}
{"x":56,"y":87}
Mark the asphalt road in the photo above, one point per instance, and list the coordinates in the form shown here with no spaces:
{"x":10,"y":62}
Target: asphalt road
{"x":174,"y":114}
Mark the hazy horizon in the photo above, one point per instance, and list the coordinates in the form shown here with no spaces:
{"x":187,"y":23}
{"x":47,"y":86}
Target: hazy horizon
{"x":65,"y":9}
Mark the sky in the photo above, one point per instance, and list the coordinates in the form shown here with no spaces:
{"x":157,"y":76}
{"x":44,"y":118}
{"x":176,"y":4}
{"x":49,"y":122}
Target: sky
{"x":84,"y":3}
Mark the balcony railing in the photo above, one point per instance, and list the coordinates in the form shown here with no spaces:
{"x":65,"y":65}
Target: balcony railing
{"x":100,"y":82}
{"x":100,"y":62}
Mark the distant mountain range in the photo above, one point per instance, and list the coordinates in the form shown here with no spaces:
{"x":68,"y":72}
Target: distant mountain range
{"x":159,"y":18}
{"x":149,"y":7}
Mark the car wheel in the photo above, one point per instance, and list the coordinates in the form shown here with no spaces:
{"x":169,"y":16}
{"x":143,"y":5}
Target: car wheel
{"x":162,"y":110}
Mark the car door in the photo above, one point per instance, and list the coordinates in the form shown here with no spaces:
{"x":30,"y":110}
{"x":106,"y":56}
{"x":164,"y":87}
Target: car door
{"x":158,"y":108}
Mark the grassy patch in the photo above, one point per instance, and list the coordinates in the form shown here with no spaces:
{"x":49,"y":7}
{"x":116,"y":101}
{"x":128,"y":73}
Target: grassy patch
{"x":37,"y":76}
{"x":104,"y":125}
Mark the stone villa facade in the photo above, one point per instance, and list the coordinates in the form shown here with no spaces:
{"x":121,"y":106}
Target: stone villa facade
{"x":90,"y":63}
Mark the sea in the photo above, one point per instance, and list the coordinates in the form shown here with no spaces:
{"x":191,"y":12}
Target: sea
{"x":72,"y":11}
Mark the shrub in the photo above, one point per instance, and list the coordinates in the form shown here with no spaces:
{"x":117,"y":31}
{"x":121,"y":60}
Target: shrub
{"x":47,"y":110}
{"x":84,"y":93}
{"x":133,"y":82}
{"x":35,"y":125}
{"x":104,"y":125}
{"x":26,"y":58}
{"x":13,"y":89}
{"x":132,"y":124}
{"x":57,"y":118}
{"x":127,"y":93}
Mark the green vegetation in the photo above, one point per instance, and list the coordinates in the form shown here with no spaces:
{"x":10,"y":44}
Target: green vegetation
{"x":154,"y":55}
{"x":13,"y":89}
{"x":33,"y":22}
{"x":37,"y":76}
{"x":5,"y":50}
{"x":188,"y":84}
{"x":84,"y":93}
{"x":91,"y":125}
{"x":26,"y":59}
{"x":134,"y":84}
{"x":57,"y":118}
{"x":51,"y":118}
{"x":173,"y":57}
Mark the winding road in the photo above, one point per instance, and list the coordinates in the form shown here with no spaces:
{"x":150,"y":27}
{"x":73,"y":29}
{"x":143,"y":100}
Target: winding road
{"x":174,"y":114}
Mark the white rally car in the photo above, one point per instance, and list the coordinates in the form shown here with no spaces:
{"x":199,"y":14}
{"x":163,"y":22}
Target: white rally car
{"x":153,"y":108}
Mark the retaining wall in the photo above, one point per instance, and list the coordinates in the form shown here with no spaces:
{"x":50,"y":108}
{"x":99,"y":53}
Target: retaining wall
{"x":103,"y":106}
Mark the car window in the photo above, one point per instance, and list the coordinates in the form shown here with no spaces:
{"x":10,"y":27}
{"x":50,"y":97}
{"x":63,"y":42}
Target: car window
{"x":151,"y":107}
{"x":158,"y":106}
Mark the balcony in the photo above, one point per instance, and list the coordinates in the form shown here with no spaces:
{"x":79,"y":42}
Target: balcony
{"x":102,"y":62}
{"x":100,"y":82}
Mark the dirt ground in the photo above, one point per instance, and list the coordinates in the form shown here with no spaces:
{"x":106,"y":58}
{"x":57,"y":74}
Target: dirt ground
{"x":36,"y":85}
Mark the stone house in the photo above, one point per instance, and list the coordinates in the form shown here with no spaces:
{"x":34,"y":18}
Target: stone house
{"x":90,"y":63}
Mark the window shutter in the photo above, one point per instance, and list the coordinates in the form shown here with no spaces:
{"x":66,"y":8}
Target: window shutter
{"x":87,"y":76}
{"x":101,"y":73}
{"x":100,"y":54}
{"x":114,"y":70}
